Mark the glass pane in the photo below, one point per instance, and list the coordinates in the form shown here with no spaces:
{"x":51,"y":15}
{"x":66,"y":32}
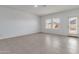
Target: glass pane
{"x":56,"y":23}
{"x":48,"y":23}
{"x":73,"y":25}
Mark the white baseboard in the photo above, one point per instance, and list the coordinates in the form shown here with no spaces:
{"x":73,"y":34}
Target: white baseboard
{"x":16,"y":35}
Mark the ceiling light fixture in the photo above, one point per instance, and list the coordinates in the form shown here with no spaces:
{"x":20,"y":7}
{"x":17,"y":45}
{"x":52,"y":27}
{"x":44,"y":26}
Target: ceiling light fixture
{"x":40,"y":5}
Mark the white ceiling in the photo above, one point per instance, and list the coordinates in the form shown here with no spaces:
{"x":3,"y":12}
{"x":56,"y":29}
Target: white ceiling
{"x":43,"y":10}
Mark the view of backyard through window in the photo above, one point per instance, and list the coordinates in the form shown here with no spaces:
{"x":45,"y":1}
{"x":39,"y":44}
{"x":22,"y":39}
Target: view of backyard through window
{"x":73,"y":25}
{"x":54,"y":23}
{"x":48,"y":24}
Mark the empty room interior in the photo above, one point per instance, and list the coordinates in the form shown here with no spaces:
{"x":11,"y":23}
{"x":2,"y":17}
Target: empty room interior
{"x":39,"y":29}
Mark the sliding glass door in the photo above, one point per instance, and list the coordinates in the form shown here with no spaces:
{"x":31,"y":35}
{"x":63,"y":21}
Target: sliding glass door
{"x":73,"y":25}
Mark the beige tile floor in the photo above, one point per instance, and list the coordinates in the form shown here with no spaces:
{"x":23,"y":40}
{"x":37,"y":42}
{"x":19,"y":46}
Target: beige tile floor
{"x":40,"y":43}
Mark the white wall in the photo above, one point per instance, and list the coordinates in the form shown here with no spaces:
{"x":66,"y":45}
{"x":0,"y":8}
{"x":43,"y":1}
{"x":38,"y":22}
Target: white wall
{"x":64,"y":21}
{"x":15,"y":23}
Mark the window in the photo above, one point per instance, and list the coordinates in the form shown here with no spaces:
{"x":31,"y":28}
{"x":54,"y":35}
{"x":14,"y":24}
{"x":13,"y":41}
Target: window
{"x":56,"y":23}
{"x":73,"y":25}
{"x":48,"y":24}
{"x":53,"y":23}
